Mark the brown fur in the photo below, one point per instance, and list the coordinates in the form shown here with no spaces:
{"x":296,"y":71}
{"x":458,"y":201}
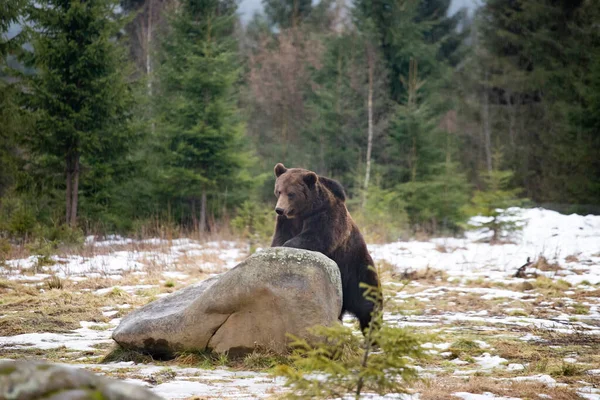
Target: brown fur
{"x":313,"y":216}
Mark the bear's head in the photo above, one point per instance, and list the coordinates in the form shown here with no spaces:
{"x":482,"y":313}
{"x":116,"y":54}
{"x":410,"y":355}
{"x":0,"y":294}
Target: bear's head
{"x":295,"y":191}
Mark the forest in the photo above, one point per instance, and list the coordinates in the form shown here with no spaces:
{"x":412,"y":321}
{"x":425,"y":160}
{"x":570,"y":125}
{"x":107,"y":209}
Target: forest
{"x":142,"y":116}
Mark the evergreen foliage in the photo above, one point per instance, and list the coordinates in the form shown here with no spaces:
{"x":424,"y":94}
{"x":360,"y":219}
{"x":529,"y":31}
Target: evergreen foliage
{"x":254,"y":223}
{"x":79,"y":95}
{"x":10,"y":115}
{"x":287,"y":13}
{"x":493,"y":206}
{"x":533,"y":64}
{"x":320,"y":85}
{"x":341,"y":364}
{"x":200,"y":134}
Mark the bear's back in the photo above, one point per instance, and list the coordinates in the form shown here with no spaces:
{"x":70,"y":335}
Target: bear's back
{"x":334,"y":186}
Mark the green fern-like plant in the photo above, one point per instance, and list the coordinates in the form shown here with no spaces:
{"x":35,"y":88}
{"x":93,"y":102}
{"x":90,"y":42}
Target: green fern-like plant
{"x":343,"y":363}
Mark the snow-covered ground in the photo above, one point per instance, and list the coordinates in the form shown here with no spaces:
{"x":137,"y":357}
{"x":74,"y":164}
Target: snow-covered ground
{"x":570,"y":240}
{"x":474,"y":298}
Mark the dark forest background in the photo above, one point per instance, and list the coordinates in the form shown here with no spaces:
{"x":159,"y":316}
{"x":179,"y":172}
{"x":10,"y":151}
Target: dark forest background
{"x":137,"y":116}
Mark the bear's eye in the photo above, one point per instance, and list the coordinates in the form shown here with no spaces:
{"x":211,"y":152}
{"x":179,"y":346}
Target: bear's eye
{"x":291,"y":195}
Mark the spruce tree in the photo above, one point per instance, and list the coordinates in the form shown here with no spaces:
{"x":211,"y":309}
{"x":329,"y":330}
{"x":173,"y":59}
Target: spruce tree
{"x":533,"y":70}
{"x":285,"y":14}
{"x":493,"y":205}
{"x":414,"y":29}
{"x":199,"y":125}
{"x":80,"y":93}
{"x":9,"y":110}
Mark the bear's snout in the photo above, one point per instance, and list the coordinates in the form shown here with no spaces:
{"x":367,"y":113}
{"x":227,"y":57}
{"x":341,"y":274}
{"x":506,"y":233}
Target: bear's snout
{"x":279,"y":211}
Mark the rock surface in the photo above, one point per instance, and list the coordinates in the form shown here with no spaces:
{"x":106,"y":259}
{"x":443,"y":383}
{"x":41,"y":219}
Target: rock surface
{"x":25,"y":380}
{"x":274,"y":292}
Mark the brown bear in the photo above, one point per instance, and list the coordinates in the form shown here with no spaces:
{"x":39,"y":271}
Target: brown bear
{"x":312,"y":215}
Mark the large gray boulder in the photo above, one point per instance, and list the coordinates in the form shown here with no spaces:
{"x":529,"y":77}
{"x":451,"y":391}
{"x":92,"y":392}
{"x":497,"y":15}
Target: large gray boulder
{"x":254,"y":305}
{"x":29,"y":380}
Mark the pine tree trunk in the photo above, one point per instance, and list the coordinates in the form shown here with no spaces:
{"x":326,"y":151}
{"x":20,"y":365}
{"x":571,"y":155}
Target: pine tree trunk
{"x":370,"y":125}
{"x":69,"y":191}
{"x":487,"y":134}
{"x":75,"y":192}
{"x":295,"y":14}
{"x":413,"y":83}
{"x":148,"y":47}
{"x":203,"y":212}
{"x":193,"y":210}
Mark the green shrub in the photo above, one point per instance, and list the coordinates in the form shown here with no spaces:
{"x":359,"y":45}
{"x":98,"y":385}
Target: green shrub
{"x":21,"y":223}
{"x":494,"y":203}
{"x":383,"y":218}
{"x":436,"y":205}
{"x":4,"y":250}
{"x":254,"y":222}
{"x":342,"y":362}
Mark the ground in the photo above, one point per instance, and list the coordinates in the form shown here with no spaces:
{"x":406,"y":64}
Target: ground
{"x":490,"y":335}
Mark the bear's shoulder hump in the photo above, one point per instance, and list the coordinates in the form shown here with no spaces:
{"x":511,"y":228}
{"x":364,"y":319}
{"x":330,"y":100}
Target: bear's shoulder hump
{"x":334,"y":186}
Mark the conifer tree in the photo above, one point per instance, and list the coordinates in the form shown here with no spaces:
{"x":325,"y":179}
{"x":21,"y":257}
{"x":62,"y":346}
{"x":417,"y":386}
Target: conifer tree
{"x":491,"y":206}
{"x":529,"y":80}
{"x":80,"y":92}
{"x":287,"y":13}
{"x":431,"y":183}
{"x":338,"y":363}
{"x":199,"y":125}
{"x":9,"y":113}
{"x":413,"y":29}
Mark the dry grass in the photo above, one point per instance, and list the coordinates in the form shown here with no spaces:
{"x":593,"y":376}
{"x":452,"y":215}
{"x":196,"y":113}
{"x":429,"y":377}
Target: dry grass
{"x":571,"y":258}
{"x":543,"y":264}
{"x":60,"y":354}
{"x":385,"y":271}
{"x":428,"y":274}
{"x":27,"y":311}
{"x":453,"y":302}
{"x":442,"y":388}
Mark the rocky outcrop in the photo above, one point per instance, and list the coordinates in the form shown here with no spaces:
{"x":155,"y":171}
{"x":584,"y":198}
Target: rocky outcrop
{"x":254,"y":305}
{"x":29,"y":380}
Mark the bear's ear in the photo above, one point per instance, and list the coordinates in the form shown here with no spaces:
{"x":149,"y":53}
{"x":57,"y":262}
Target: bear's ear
{"x":310,"y":179}
{"x":279,"y":169}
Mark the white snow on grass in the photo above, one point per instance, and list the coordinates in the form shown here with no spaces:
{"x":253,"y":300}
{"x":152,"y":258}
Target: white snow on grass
{"x":189,"y":382}
{"x":555,"y":325}
{"x":226,"y":255}
{"x":515,"y":367}
{"x":589,"y":393}
{"x":541,"y":378}
{"x":126,"y":288}
{"x":82,"y":339}
{"x":487,"y":293}
{"x":487,"y":361}
{"x":547,"y":233}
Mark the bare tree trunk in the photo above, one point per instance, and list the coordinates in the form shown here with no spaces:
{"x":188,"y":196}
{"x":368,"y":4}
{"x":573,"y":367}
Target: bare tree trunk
{"x":295,"y":14}
{"x":487,"y":134}
{"x":337,"y":23}
{"x":75,"y":192}
{"x":194,"y":217}
{"x":203,"y":212}
{"x":69,"y":191}
{"x":413,"y":86}
{"x":149,"y":46}
{"x":371,"y":67}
